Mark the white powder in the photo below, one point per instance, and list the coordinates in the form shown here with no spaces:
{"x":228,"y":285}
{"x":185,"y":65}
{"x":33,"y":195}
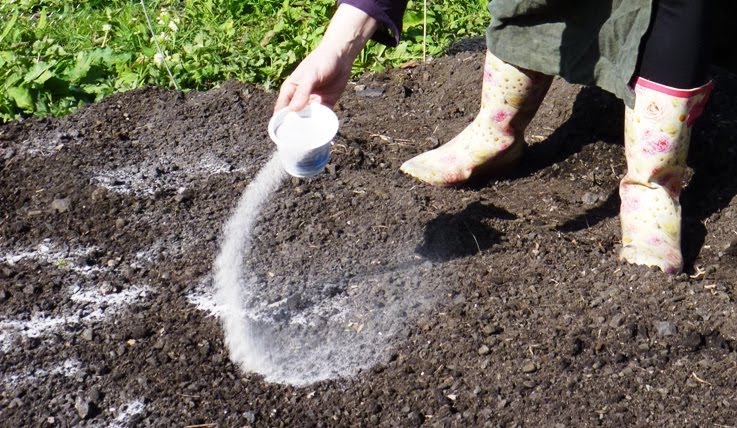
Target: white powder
{"x":304,"y":333}
{"x":245,"y":348}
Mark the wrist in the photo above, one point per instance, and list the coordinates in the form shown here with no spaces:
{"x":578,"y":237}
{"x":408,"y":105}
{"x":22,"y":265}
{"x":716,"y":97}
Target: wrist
{"x":349,"y":31}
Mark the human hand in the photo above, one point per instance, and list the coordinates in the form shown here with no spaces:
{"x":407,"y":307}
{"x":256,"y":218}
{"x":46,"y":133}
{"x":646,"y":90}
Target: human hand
{"x":324,"y":73}
{"x":321,"y":77}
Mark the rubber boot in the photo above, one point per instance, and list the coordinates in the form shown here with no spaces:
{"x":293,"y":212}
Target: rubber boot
{"x":493,"y":143}
{"x":657,"y":135}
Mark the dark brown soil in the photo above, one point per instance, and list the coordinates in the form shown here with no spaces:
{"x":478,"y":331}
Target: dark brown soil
{"x":529,"y":318}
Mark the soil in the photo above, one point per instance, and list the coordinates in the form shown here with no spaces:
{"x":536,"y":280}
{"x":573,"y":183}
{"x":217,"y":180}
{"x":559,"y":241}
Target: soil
{"x":111,"y":220}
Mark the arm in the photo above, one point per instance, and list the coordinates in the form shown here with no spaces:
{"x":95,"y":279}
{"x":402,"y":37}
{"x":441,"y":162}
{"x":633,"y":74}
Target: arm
{"x":388,"y":13}
{"x":323,"y":75}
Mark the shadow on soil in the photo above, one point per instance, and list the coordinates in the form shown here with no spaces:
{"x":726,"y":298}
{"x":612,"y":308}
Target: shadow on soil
{"x":452,"y":236}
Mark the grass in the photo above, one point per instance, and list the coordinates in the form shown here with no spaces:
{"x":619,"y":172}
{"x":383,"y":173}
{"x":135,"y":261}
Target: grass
{"x":56,"y":55}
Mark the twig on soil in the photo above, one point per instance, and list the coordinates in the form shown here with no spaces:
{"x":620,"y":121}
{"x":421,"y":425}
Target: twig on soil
{"x":391,"y":140}
{"x":699,"y":379}
{"x":338,"y":214}
{"x":699,"y":272}
{"x":537,"y":138}
{"x":188,"y":395}
{"x":342,"y":146}
{"x":473,"y":236}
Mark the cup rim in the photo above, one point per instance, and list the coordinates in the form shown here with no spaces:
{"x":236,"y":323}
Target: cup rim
{"x":324,"y":113}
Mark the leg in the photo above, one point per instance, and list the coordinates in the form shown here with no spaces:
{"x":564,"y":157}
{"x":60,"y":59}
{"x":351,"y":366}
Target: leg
{"x":676,"y":51}
{"x":658,"y":131}
{"x":657,"y":135}
{"x":494,"y":141}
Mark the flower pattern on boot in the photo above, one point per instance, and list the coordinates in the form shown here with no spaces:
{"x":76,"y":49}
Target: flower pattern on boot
{"x":657,"y":135}
{"x":493,"y":142}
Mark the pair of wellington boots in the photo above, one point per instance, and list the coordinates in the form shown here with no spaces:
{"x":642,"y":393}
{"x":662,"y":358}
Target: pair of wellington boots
{"x":657,"y":135}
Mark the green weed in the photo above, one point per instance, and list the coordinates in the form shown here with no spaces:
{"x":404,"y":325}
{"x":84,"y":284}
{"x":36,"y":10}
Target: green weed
{"x":56,"y":55}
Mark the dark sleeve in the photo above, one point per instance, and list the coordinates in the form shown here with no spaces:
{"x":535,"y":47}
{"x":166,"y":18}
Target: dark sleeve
{"x":389,"y":13}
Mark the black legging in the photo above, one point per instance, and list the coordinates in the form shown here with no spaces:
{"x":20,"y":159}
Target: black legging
{"x":676,"y":50}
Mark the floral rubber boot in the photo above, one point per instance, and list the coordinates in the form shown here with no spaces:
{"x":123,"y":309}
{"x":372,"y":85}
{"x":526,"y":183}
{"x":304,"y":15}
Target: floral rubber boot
{"x":657,"y":135}
{"x":493,"y":143}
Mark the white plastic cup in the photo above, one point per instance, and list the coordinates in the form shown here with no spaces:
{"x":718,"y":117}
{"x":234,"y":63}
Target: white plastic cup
{"x":303,"y":138}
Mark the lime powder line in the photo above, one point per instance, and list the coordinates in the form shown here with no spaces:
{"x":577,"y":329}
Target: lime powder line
{"x":245,"y":345}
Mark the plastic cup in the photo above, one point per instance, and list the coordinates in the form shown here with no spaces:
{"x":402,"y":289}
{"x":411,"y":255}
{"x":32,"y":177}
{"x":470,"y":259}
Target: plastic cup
{"x":303,"y":138}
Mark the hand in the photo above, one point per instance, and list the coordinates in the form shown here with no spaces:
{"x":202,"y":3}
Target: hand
{"x":324,"y":74}
{"x":321,"y":77}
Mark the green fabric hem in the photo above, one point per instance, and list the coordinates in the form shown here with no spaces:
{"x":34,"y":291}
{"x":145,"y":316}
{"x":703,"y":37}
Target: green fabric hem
{"x":555,"y":39}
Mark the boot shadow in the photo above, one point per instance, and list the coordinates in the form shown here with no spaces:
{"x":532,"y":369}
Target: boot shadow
{"x":453,"y":236}
{"x":713,"y":158}
{"x":596,"y":116}
{"x":607,"y":209}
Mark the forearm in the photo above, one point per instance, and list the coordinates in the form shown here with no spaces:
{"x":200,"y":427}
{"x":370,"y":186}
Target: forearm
{"x":349,"y":30}
{"x":388,"y":14}
{"x":323,"y":75}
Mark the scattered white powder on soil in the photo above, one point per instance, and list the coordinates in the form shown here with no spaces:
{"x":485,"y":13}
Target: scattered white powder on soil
{"x":308,"y":333}
{"x":51,"y":252}
{"x":67,"y":368}
{"x":99,"y":307}
{"x":146,"y":181}
{"x":127,"y":412}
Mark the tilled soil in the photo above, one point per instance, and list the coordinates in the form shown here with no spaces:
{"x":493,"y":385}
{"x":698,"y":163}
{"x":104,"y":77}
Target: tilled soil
{"x":111,"y":220}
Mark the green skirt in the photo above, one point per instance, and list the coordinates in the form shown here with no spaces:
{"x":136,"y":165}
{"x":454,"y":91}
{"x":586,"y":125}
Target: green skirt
{"x":590,"y":42}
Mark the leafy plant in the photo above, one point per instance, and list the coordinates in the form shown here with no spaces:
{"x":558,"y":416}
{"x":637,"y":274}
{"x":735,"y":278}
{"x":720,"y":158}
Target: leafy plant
{"x":56,"y":55}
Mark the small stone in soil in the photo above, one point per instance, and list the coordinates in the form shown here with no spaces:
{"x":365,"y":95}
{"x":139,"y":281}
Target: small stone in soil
{"x":61,"y":205}
{"x":592,"y":198}
{"x":87,"y":334}
{"x":484,"y":350}
{"x":99,"y":194}
{"x":665,"y":328}
{"x":371,"y":93}
{"x":83,"y":407}
{"x":94,"y":395}
{"x":6,"y":272}
{"x":529,"y":368}
{"x":491,"y":329}
{"x":183,"y":195}
{"x":250,"y":417}
{"x":107,"y":288}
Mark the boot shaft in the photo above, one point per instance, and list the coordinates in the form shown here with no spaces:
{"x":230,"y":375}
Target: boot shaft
{"x":657,"y":136}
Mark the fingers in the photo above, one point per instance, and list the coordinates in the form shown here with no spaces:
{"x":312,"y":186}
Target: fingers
{"x":288,"y":88}
{"x":296,"y":95}
{"x":301,"y":95}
